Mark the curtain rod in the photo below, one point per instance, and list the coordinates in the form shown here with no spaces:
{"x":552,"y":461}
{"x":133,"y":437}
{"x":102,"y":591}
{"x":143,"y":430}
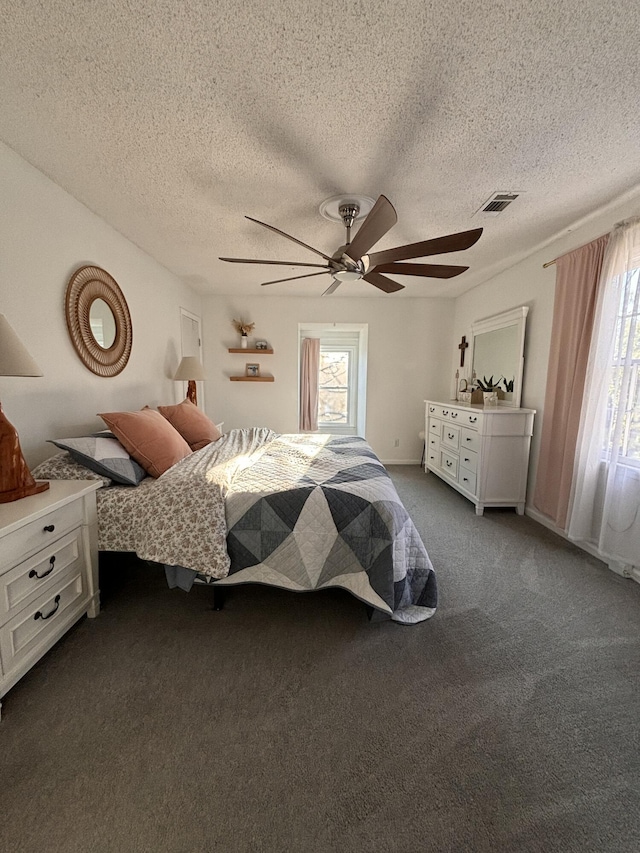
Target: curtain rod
{"x":549,"y":263}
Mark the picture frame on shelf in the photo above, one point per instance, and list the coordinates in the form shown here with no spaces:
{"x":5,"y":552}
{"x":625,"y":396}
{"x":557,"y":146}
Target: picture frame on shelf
{"x":262,"y":345}
{"x":252,"y":370}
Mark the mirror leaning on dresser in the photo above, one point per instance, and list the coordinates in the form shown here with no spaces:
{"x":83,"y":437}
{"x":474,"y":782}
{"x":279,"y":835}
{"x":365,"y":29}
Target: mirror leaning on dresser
{"x":481,"y":451}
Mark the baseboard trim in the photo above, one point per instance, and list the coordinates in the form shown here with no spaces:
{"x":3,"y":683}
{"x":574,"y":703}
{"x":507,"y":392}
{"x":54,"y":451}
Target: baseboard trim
{"x":400,"y":461}
{"x":631,"y":572}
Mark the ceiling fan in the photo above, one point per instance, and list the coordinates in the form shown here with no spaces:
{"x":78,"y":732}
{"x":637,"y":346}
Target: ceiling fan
{"x":351,"y":261}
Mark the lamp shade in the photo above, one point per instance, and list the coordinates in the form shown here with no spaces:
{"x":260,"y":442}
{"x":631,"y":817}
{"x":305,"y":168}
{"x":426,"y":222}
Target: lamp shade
{"x":14,"y":358}
{"x":190,"y":368}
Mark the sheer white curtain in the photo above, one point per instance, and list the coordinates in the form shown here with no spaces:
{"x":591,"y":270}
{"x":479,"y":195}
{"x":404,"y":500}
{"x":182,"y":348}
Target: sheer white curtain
{"x":606,"y":492}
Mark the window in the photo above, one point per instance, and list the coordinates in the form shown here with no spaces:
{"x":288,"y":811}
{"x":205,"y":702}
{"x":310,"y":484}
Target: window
{"x":336,"y":386}
{"x":341,"y":376}
{"x":623,"y":407}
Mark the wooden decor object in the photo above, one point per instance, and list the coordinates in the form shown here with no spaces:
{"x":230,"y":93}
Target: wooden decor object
{"x":85,"y":286}
{"x":15,"y":478}
{"x":192,"y":393}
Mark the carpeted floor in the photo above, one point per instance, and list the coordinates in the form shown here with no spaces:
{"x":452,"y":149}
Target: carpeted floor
{"x":507,"y":723}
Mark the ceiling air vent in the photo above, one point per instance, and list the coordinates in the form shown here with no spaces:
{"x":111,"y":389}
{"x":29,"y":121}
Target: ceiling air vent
{"x":496,"y":203}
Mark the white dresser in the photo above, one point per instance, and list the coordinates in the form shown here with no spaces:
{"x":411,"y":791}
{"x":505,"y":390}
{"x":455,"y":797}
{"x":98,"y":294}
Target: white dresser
{"x":48,"y":572}
{"x":481,"y":451}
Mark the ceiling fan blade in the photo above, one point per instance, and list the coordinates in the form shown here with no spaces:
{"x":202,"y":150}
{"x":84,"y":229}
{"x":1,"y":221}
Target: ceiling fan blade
{"x":281,"y":263}
{"x":382,"y":282}
{"x":289,"y":237}
{"x":437,"y":246}
{"x":379,"y":220}
{"x":427,"y":270}
{"x":294,"y":277}
{"x":335,"y":284}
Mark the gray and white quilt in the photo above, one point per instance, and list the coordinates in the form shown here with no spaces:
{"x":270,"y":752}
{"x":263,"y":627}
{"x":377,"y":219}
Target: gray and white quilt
{"x":316,"y":511}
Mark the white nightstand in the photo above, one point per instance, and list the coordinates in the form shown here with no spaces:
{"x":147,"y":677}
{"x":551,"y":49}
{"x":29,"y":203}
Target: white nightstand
{"x":48,"y":572}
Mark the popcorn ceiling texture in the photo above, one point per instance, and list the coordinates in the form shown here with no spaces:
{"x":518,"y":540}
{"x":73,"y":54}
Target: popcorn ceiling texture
{"x":174,"y":120}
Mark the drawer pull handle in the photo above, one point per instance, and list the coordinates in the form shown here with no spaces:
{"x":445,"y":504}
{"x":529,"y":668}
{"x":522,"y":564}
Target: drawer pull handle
{"x":472,"y":420}
{"x":49,"y":528}
{"x":39,"y":615}
{"x":449,"y":464}
{"x":451,"y":435}
{"x":454,"y":415}
{"x":468,"y":439}
{"x":445,"y":413}
{"x":464,"y":480}
{"x":34,"y":574}
{"x":466,"y":459}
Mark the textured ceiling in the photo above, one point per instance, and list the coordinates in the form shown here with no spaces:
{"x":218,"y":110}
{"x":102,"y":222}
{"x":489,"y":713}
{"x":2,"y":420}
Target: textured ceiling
{"x":173,"y":120}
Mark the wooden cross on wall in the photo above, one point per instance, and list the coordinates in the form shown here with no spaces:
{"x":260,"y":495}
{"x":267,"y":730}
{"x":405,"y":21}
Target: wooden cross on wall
{"x":462,"y":346}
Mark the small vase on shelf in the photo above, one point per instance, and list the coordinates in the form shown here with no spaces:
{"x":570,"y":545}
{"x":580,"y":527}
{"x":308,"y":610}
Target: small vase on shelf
{"x":244,"y":341}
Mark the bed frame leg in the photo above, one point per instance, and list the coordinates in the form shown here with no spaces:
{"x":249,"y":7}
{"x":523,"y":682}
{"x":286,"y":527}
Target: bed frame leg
{"x":218,"y":598}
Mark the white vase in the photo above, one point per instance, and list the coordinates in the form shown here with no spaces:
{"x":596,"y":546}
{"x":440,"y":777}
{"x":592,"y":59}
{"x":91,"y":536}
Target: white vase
{"x":244,"y":341}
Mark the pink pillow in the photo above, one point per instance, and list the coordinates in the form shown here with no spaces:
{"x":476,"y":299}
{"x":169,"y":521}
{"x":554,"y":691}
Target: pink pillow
{"x":192,"y":424}
{"x":149,"y":438}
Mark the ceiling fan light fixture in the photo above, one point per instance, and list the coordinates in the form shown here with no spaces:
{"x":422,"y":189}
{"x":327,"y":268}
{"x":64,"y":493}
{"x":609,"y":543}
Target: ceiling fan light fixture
{"x":347,"y":275}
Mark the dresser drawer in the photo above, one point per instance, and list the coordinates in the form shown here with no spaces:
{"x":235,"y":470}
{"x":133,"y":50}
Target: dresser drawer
{"x":472,"y":420}
{"x":469,"y":440}
{"x":433,"y":457}
{"x":37,"y":534}
{"x":29,"y":579}
{"x":451,"y":436}
{"x":35,"y":624}
{"x":449,"y":464}
{"x":468,"y":459}
{"x":443,"y":412}
{"x":467,"y":480}
{"x":435,"y":427}
{"x":433,"y":443}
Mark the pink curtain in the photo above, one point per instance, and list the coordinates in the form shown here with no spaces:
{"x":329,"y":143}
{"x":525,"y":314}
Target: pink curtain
{"x":309,"y":370}
{"x":577,"y":276}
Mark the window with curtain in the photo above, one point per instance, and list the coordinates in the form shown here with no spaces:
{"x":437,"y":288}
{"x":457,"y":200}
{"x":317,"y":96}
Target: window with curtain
{"x":339,"y":405}
{"x":606,"y":490}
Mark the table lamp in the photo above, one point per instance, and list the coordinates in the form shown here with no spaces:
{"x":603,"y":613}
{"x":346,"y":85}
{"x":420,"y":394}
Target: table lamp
{"x":189,"y":371}
{"x":15,"y":478}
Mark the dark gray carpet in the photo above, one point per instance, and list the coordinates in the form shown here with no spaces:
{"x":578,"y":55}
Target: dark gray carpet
{"x":288,"y":722}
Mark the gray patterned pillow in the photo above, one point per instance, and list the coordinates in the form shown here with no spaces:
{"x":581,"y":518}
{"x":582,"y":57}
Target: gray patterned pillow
{"x":62,"y":467}
{"x":105,"y":456}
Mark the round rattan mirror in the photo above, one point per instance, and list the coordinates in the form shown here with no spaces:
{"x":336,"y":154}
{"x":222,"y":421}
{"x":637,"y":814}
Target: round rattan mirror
{"x":93,"y":287}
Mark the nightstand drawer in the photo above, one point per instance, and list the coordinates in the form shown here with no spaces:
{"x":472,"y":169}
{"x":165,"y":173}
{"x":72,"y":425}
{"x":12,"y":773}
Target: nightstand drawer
{"x":27,"y":581}
{"x":35,"y":624}
{"x":39,"y":533}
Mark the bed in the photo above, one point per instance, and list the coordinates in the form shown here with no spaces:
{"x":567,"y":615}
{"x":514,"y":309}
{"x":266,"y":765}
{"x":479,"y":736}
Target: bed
{"x":300,"y":512}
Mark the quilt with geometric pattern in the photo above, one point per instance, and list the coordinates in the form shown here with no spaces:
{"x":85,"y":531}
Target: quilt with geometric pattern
{"x":313,"y":511}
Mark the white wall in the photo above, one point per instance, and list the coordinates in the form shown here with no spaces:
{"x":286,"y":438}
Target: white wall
{"x":45,"y":236}
{"x":528,"y":283}
{"x":408,"y":361}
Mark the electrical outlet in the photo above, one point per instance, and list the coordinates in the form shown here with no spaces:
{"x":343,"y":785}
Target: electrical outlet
{"x":396,"y":443}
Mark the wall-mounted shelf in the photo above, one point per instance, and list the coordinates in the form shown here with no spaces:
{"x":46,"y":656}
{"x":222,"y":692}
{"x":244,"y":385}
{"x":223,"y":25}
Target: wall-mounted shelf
{"x":253,"y":351}
{"x":251,"y":378}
